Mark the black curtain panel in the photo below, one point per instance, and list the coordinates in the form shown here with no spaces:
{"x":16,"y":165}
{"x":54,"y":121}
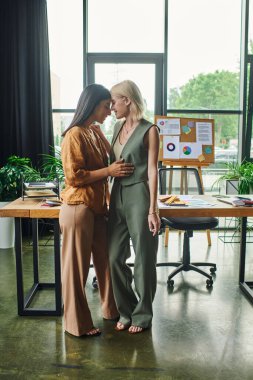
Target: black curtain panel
{"x":25,"y":95}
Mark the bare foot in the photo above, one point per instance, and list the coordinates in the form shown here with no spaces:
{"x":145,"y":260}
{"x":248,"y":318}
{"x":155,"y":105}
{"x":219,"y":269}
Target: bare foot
{"x":90,"y":334}
{"x":121,"y":327}
{"x":136,"y":329}
{"x":93,"y":332}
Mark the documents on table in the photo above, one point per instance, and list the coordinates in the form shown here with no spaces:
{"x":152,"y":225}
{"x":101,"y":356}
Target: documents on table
{"x":39,"y":185}
{"x":183,"y":201}
{"x":40,"y":193}
{"x":40,"y":189}
{"x":236,"y":201}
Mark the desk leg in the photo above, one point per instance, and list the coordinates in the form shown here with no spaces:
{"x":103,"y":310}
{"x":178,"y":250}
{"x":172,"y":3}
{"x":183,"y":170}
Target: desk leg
{"x":243,"y":249}
{"x":35,"y":239}
{"x":19,"y":265}
{"x":57,"y":263}
{"x":25,"y":301}
{"x":246,"y":286}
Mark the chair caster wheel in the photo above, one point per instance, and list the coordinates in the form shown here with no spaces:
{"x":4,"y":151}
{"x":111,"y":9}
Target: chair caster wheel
{"x":209,"y":283}
{"x":213,"y":270}
{"x":170,"y":282}
{"x":95,"y":283}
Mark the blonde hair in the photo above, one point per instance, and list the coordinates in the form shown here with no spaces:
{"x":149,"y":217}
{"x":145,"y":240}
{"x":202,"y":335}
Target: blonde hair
{"x":131,"y":91}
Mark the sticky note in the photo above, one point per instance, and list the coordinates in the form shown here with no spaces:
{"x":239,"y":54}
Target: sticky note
{"x":186,"y":129}
{"x":191,"y":124}
{"x":201,"y":157}
{"x":208,"y":150}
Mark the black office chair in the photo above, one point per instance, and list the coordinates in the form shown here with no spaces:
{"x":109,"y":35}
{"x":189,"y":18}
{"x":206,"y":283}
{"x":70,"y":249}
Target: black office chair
{"x":185,"y":180}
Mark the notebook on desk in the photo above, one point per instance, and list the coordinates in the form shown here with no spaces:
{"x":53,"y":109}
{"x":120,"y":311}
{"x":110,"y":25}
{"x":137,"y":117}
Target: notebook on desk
{"x":236,"y":201}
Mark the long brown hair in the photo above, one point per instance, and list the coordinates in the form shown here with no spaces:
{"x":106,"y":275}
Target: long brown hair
{"x":91,"y":96}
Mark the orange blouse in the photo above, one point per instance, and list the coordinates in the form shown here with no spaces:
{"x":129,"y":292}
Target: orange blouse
{"x":83,"y":151}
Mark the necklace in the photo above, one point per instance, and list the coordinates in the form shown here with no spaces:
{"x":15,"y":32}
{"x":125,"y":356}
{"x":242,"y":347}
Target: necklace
{"x":130,"y":128}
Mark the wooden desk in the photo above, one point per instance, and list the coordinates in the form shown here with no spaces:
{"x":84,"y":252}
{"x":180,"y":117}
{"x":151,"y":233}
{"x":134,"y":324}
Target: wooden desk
{"x":31,"y":208}
{"x":220,"y":209}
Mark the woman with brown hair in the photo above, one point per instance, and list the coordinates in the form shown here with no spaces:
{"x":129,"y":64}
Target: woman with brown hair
{"x":84,"y":209}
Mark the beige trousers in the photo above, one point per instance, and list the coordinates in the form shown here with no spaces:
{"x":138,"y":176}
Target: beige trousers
{"x":84,"y":234}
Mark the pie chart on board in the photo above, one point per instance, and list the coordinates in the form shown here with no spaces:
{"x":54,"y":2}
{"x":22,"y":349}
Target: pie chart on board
{"x":187,"y":150}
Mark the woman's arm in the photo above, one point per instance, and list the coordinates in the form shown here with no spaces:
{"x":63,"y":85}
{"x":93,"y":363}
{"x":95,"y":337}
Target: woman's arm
{"x":153,"y":151}
{"x":76,"y":174}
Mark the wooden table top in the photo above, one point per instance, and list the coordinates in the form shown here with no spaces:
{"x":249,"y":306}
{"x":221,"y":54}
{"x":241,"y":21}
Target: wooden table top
{"x":29,"y":208}
{"x":32,"y":208}
{"x":216,"y":209}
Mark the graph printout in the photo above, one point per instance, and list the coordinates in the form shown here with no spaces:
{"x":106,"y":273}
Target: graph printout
{"x":169,"y":126}
{"x":189,"y":150}
{"x":171,"y":147}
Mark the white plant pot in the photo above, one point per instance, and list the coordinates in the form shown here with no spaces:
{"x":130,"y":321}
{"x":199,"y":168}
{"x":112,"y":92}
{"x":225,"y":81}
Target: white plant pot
{"x":7,"y":230}
{"x":232,"y":186}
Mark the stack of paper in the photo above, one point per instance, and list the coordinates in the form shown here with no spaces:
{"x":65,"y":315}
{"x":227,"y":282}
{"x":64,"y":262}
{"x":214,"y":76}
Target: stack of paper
{"x":39,"y":193}
{"x":40,"y":185}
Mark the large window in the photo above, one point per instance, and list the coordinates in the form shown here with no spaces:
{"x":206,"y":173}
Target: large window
{"x":204,"y":65}
{"x":109,"y":74}
{"x":65,"y":25}
{"x":66,"y":56}
{"x":198,"y":41}
{"x":126,"y":26}
{"x":204,"y":53}
{"x":250,"y":40}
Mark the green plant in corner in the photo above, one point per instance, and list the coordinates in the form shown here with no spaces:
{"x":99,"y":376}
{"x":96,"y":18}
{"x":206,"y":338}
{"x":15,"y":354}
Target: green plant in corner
{"x":51,"y":166}
{"x":243,"y":173}
{"x":11,"y":175}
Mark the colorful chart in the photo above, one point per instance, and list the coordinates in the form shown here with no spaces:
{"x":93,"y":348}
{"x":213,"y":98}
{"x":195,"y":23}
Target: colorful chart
{"x":187,"y":150}
{"x":171,"y":147}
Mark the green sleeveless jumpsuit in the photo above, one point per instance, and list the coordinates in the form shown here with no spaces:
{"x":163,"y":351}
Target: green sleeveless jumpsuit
{"x":128,"y":218}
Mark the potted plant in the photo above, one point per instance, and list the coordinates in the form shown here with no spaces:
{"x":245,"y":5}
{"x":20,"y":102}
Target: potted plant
{"x":241,"y":174}
{"x":11,"y":175}
{"x":51,"y":166}
{"x":239,"y":180}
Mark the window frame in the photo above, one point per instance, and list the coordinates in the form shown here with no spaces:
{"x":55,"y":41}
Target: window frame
{"x":131,"y":58}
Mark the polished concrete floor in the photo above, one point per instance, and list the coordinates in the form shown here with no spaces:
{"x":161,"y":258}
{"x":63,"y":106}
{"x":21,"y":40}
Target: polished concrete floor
{"x":197,"y":333}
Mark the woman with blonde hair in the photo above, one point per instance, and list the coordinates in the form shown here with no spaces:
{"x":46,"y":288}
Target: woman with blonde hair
{"x":133,"y":210}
